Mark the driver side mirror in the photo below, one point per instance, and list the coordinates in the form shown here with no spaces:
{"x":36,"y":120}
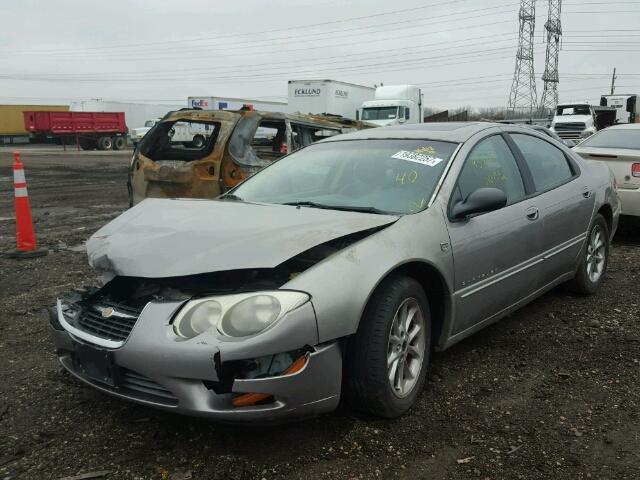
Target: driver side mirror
{"x":479,"y":201}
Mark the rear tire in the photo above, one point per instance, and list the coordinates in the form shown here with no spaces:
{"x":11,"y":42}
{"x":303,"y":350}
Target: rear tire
{"x":87,"y":143}
{"x":594,"y":259}
{"x":386,"y":361}
{"x":119,"y":143}
{"x":105,"y":143}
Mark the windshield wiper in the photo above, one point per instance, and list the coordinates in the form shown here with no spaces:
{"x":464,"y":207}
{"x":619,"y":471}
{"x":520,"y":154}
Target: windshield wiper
{"x":231,"y":196}
{"x":348,"y":208}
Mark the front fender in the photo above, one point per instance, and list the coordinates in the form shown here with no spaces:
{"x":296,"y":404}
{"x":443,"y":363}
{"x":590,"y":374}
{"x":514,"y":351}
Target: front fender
{"x":342,"y":284}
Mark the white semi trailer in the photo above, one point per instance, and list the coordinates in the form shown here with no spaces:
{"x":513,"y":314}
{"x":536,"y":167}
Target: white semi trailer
{"x":626,"y":107}
{"x":328,"y":97}
{"x":394,"y":104}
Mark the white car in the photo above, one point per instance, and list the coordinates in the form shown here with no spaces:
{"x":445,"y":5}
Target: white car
{"x":619,"y":148}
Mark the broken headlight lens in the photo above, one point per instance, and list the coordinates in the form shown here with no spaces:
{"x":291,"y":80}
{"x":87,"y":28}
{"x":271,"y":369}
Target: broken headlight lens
{"x":236,"y":315}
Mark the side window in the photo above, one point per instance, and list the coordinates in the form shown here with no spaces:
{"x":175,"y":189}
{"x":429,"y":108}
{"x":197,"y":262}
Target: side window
{"x":183,"y":140}
{"x":491,"y":164}
{"x":269,"y":142}
{"x":303,"y":135}
{"x":548,"y":164}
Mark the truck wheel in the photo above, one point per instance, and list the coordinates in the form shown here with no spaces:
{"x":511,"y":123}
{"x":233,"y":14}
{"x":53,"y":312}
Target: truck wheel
{"x":119,"y":143}
{"x":87,"y":143}
{"x":386,"y":360}
{"x":198,"y":141}
{"x":105,"y":143}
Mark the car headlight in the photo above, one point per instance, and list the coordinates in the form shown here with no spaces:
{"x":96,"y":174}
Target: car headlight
{"x":238,"y":315}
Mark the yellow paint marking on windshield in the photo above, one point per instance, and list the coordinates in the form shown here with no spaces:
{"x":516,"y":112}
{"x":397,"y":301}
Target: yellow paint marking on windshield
{"x":407,"y":177}
{"x":417,"y":206}
{"x":426,"y":150}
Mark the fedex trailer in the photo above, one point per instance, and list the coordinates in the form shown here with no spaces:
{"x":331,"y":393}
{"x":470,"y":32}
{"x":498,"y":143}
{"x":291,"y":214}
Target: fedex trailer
{"x":229,"y":103}
{"x":328,"y":97}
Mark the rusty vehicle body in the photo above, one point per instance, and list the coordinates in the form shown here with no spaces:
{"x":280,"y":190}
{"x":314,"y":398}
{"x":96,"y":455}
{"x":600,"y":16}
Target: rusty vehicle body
{"x":222,"y":148}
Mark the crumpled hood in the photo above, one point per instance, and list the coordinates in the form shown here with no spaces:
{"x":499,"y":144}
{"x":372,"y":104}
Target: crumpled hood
{"x":166,"y":238}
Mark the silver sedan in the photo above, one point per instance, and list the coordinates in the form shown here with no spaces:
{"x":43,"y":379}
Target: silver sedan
{"x":335,"y":271}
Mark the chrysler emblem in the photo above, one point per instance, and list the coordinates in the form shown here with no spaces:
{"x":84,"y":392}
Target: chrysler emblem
{"x":107,"y":312}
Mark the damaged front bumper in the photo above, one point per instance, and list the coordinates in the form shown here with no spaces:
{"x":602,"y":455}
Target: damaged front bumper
{"x":202,"y":376}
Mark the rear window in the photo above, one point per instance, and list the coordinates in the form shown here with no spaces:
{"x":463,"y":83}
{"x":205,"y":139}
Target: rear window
{"x":615,"y":138}
{"x":184,"y":140}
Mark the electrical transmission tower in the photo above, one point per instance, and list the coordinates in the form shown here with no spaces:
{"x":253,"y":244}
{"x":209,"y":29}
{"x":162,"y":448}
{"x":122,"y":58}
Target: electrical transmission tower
{"x":523,"y":98}
{"x":550,"y":77}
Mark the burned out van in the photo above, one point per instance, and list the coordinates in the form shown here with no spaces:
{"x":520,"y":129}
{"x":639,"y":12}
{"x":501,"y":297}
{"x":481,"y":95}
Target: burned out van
{"x":228,"y":147}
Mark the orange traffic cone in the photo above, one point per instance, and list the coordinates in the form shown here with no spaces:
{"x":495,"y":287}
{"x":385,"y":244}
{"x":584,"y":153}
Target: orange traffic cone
{"x":25,"y":235}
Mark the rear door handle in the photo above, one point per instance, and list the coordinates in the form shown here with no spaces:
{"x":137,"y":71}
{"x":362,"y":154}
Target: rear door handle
{"x":532,"y":213}
{"x":586,"y":193}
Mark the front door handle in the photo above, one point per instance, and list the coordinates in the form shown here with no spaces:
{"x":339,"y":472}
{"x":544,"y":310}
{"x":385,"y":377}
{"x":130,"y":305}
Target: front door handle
{"x":532,"y":213}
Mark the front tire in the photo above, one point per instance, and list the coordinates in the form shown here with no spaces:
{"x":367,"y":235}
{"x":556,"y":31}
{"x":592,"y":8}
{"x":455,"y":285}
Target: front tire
{"x":594,"y":259}
{"x":386,"y":361}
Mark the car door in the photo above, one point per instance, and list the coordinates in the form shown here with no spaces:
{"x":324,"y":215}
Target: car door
{"x":496,"y":254}
{"x":565,"y":201}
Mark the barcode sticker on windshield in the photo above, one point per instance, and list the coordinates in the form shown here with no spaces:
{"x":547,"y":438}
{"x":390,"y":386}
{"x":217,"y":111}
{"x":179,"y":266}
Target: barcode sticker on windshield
{"x":417,"y":158}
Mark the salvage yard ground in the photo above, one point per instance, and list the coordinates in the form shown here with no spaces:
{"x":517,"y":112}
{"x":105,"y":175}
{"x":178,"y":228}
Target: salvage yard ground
{"x":551,"y":392}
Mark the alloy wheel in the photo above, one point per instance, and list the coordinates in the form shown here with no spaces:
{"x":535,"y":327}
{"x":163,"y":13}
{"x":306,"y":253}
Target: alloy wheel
{"x":596,"y":252}
{"x":406,"y":347}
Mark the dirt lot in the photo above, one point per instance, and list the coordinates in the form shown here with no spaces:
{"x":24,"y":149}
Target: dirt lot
{"x":551,"y":392}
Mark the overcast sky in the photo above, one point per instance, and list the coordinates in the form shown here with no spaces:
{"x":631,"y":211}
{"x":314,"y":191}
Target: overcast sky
{"x":461,"y":51}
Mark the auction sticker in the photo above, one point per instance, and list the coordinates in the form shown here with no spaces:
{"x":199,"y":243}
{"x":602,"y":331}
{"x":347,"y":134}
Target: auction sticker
{"x":417,"y":158}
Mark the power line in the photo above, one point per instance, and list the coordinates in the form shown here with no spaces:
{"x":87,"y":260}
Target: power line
{"x":304,"y":37}
{"x":316,"y":62}
{"x":280,"y":29}
{"x":405,"y":63}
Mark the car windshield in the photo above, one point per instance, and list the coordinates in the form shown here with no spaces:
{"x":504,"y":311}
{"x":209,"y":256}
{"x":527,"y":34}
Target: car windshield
{"x":377,"y":176}
{"x":614,"y":138}
{"x":379,"y":113}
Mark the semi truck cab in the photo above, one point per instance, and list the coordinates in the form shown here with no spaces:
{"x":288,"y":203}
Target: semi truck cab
{"x":394,"y":105}
{"x":577,"y":121}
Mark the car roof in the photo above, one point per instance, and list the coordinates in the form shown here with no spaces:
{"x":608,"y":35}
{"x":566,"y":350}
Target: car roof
{"x":457,"y":132}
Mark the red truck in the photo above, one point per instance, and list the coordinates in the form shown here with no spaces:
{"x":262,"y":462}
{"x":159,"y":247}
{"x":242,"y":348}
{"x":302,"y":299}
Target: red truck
{"x":91,"y":130}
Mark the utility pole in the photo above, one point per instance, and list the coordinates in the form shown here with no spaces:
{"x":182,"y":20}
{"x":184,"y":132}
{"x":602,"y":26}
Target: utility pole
{"x":613,"y":82}
{"x":523,"y":97}
{"x":551,"y":77}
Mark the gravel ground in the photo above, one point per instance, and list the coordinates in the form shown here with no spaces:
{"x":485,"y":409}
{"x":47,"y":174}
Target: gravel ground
{"x":551,"y":392}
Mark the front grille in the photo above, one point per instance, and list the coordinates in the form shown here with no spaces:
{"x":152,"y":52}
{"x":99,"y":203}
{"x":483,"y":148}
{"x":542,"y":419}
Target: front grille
{"x":569,"y":131}
{"x":569,"y":126}
{"x":116,"y":326}
{"x":131,"y":380}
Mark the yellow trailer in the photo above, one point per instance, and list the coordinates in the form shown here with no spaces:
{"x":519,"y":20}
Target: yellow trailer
{"x":12,"y":121}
